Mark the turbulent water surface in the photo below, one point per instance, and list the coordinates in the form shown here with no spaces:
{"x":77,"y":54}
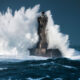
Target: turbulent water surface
{"x":50,"y":69}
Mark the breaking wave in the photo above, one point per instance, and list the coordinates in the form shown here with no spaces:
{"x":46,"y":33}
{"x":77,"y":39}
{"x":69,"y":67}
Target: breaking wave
{"x":18,"y":33}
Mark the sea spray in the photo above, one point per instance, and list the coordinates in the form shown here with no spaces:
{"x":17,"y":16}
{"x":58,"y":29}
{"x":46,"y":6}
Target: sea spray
{"x":56,"y":39}
{"x":18,"y":33}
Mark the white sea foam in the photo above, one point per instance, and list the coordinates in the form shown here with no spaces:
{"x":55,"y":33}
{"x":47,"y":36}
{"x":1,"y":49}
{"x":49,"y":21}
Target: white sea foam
{"x":56,"y":39}
{"x":3,"y":69}
{"x":18,"y":33}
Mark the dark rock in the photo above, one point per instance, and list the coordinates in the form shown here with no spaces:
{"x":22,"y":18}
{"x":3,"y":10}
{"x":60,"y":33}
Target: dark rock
{"x":41,"y":48}
{"x":46,"y":53}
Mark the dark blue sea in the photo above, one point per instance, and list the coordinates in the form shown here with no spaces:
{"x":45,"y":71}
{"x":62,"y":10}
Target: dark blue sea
{"x":50,"y":69}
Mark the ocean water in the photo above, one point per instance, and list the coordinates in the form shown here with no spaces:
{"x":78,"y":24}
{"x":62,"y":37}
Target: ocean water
{"x":49,"y":69}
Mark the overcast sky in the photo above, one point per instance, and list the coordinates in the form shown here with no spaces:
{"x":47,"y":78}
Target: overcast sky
{"x":66,"y":13}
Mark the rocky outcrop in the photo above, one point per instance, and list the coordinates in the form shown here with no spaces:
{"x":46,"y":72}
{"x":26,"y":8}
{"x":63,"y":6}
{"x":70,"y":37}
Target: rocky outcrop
{"x":42,"y":22}
{"x":41,"y":48}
